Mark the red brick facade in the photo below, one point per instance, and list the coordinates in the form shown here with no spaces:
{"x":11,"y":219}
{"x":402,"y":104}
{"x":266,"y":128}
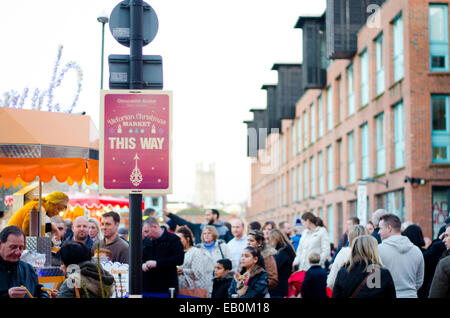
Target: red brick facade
{"x":414,"y":90}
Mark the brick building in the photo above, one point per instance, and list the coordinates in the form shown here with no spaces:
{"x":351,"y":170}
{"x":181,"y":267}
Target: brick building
{"x":373,"y":106}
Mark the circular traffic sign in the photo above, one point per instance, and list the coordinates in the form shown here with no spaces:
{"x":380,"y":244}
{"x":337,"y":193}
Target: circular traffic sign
{"x":120,"y":26}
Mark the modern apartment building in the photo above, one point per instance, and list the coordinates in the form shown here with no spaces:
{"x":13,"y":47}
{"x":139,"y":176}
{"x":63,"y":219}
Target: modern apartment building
{"x":373,"y":106}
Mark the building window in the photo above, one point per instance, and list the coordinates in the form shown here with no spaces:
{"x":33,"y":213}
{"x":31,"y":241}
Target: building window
{"x":438,"y":19}
{"x":320,"y":163}
{"x":293,"y":138}
{"x":320,"y":119}
{"x":364,"y":78}
{"x":305,"y":130}
{"x":330,"y":167}
{"x":381,"y":153}
{"x":379,"y":64}
{"x":351,"y":159}
{"x":313,"y":176}
{"x":283,"y":149}
{"x":340,"y":167}
{"x":305,"y":180}
{"x":330,"y":223}
{"x":299,"y":178}
{"x":294,"y":185}
{"x":350,"y":96}
{"x":341,"y":94}
{"x":440,"y":130}
{"x":312,"y":120}
{"x":399,"y":135}
{"x":398,"y":49}
{"x":329,"y":108}
{"x":393,"y":202}
{"x":299,"y":135}
{"x":365,"y":165}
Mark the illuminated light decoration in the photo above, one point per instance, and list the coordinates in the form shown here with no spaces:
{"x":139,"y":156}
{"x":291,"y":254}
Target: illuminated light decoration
{"x":15,"y":100}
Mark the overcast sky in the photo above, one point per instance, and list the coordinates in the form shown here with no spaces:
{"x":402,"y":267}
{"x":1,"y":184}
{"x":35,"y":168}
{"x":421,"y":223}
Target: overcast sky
{"x":216,"y":56}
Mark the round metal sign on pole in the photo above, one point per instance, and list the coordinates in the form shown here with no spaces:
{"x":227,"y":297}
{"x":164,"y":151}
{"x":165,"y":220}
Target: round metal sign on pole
{"x":119,"y":23}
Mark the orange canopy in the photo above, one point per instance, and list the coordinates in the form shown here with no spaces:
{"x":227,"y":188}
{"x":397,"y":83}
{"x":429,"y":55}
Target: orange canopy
{"x":15,"y":170}
{"x":47,"y":144}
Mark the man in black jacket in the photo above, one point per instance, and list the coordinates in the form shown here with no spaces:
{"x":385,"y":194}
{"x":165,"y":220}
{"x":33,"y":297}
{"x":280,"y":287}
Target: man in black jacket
{"x":162,"y":252}
{"x":13,"y":272}
{"x":211,"y":217}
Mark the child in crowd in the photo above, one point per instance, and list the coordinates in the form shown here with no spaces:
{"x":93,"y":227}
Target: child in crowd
{"x":222,"y":278}
{"x":315,"y":283}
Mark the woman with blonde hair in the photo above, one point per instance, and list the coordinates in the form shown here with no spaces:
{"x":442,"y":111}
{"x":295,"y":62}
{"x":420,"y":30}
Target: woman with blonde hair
{"x":94,"y":231}
{"x":363,"y":276}
{"x":191,"y":274}
{"x":213,"y":249}
{"x":343,"y":256}
{"x":52,"y":204}
{"x":284,"y":257}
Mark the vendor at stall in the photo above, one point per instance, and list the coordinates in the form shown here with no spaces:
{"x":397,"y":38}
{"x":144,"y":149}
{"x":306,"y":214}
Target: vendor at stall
{"x":52,"y":204}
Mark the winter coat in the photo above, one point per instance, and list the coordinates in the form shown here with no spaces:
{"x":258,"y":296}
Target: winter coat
{"x":440,"y":286}
{"x":431,"y":257}
{"x":257,"y":284}
{"x":89,"y":283}
{"x":168,"y":252}
{"x":194,"y":264}
{"x":347,"y":282}
{"x":284,"y":258}
{"x":197,"y":228}
{"x":405,"y":262}
{"x":315,"y":283}
{"x":376,"y":235}
{"x":342,"y":257}
{"x":221,"y":285}
{"x":270,"y":264}
{"x":211,"y":260}
{"x":17,"y":274}
{"x":316,"y":241}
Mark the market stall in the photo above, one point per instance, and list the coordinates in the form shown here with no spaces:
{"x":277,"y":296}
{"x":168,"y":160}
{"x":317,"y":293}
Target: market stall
{"x":42,"y":146}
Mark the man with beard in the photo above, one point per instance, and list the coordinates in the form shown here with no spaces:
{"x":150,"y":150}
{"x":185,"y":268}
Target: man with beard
{"x":211,"y":218}
{"x":80,"y":232}
{"x":16,"y":277}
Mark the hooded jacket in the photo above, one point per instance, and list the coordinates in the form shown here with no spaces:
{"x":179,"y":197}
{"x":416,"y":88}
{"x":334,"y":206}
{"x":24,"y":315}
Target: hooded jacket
{"x":405,"y":262}
{"x":90,"y":282}
{"x":270,"y":264}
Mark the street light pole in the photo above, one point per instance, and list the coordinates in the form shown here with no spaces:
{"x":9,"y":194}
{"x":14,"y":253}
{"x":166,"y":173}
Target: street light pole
{"x":103,"y":20}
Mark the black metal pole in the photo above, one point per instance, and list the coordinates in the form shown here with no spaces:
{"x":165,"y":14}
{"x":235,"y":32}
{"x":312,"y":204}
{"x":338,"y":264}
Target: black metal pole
{"x":135,"y":214}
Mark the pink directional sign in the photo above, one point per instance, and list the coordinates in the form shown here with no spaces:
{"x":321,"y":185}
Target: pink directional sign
{"x":135,"y":146}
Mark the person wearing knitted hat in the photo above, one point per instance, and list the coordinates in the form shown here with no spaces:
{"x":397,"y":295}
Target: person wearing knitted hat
{"x":52,"y":204}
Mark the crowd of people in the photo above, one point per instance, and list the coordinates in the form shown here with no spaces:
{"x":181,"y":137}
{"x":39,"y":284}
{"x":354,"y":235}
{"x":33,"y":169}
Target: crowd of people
{"x":383,"y":258}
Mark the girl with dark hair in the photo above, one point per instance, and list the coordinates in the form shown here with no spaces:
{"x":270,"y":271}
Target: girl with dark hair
{"x":251,"y":281}
{"x":256,"y":239}
{"x":314,"y":240}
